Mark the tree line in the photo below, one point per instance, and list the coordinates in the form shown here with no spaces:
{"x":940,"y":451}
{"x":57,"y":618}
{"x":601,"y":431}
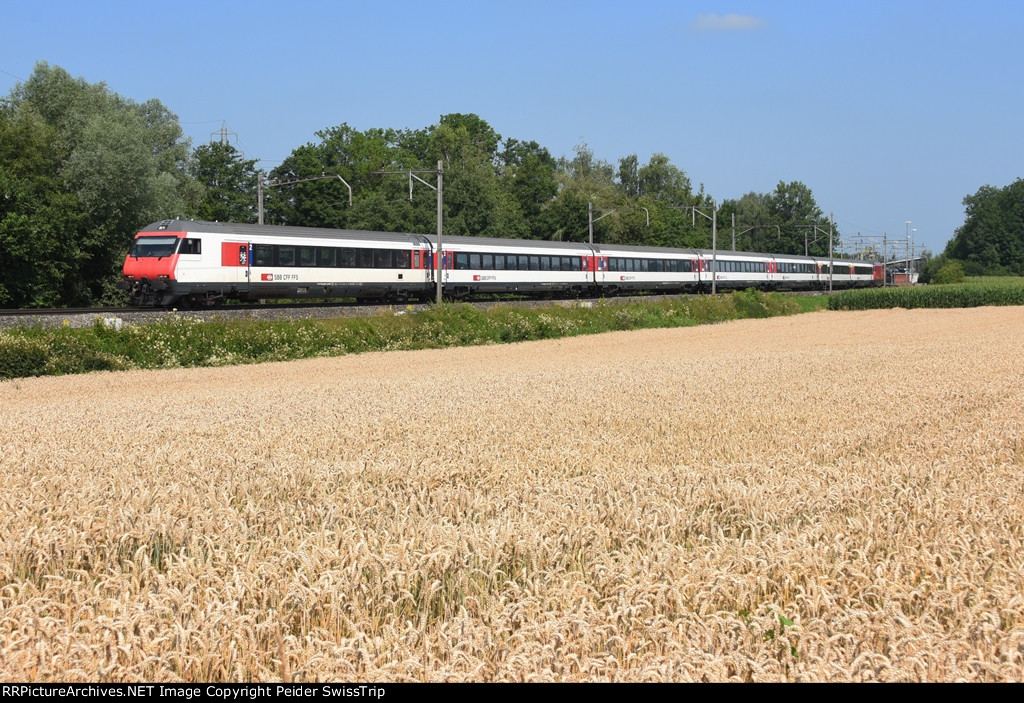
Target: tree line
{"x":82,"y":169}
{"x":991,"y":240}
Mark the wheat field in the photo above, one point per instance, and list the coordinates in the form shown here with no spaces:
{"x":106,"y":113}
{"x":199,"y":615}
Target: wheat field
{"x":827,"y":497}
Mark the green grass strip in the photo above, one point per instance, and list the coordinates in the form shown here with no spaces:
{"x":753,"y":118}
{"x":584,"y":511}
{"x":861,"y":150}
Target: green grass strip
{"x":184,"y":342}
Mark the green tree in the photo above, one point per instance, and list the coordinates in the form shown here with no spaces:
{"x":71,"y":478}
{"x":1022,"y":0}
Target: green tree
{"x":755,"y":223}
{"x":951,"y":272}
{"x":476,"y":202}
{"x":793,"y":208}
{"x":662,"y":181}
{"x":528,"y":174}
{"x":581,"y":180}
{"x":991,"y":240}
{"x":491,"y":188}
{"x":629,"y":176}
{"x":81,"y":170}
{"x":229,"y":183}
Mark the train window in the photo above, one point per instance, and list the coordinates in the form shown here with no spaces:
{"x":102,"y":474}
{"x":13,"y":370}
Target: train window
{"x":382,"y":259}
{"x":555,"y":262}
{"x":535,"y":263}
{"x":401,"y":259}
{"x":285,"y":256}
{"x":461,"y":261}
{"x":416,"y":259}
{"x":347,"y":258}
{"x":153,"y":246}
{"x":545,"y":263}
{"x":577,"y":263}
{"x":499,"y":262}
{"x":524,"y":263}
{"x":644,"y":264}
{"x":262,"y":255}
{"x":324,"y":256}
{"x":365,"y":258}
{"x":307,"y":256}
{"x":474,"y":262}
{"x":658,"y":265}
{"x":487,"y":262}
{"x":190,"y":246}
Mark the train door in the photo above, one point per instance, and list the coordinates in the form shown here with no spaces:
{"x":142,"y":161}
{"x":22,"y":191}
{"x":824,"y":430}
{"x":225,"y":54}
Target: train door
{"x":235,"y":260}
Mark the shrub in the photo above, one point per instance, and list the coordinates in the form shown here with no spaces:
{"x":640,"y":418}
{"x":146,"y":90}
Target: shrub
{"x":953,"y":272}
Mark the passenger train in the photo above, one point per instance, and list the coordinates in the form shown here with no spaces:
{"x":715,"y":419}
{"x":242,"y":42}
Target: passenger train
{"x":189,"y":263}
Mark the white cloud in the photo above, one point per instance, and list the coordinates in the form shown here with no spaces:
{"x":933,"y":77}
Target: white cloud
{"x":727,"y":23}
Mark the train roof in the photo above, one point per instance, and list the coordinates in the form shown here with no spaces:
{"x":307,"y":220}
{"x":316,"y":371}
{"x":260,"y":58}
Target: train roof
{"x":611,"y":249}
{"x":449,"y":239}
{"x":243,"y":230}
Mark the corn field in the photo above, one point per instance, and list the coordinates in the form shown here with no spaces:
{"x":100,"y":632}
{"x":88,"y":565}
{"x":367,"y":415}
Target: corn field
{"x":826,"y":497}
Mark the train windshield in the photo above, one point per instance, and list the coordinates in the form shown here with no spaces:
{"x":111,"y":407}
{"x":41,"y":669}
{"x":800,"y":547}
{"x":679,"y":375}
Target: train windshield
{"x":153,"y":246}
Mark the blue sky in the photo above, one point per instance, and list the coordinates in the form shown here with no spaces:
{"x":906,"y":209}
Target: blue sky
{"x":889,"y":111}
